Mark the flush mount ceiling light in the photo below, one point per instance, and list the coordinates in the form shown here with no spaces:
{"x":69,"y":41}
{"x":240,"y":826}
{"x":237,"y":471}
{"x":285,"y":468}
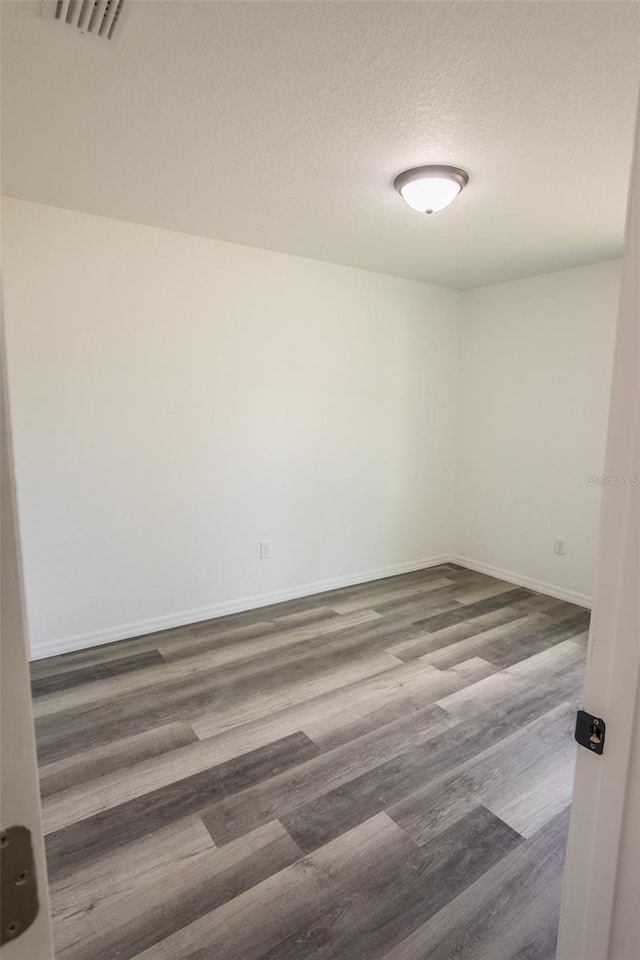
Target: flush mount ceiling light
{"x":432,"y":188}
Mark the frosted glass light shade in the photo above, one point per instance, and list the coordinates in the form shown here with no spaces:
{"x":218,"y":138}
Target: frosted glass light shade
{"x":429,"y":189}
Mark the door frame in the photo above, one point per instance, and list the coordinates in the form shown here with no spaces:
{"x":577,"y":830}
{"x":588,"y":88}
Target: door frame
{"x":19,"y":788}
{"x":601,"y":811}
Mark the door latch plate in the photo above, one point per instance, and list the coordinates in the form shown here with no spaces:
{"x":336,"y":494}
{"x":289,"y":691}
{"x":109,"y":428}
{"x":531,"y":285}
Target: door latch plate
{"x":590,"y":731}
{"x":18,"y":885}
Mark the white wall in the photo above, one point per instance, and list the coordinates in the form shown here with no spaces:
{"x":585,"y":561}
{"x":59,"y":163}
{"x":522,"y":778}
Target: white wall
{"x":177,"y":399}
{"x":535,"y":378}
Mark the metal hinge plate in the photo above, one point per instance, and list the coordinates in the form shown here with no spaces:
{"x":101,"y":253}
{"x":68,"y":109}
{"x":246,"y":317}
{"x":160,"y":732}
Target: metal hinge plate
{"x":19,"y":888}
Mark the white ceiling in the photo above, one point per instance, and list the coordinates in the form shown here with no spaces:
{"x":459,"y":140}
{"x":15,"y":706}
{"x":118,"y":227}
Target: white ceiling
{"x":282,"y":125}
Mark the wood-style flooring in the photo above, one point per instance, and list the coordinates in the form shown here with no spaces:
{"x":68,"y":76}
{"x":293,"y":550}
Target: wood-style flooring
{"x":381,"y":772}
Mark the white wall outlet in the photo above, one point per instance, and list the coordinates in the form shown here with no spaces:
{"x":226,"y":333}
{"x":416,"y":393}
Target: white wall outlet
{"x":559,"y":546}
{"x":265,"y":550}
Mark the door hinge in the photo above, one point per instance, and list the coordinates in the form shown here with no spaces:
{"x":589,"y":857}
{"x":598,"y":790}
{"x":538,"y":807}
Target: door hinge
{"x":18,"y":887}
{"x":590,"y":731}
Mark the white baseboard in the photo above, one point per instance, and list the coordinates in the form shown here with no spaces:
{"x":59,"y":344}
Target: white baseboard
{"x":539,"y":586}
{"x":125,"y":631}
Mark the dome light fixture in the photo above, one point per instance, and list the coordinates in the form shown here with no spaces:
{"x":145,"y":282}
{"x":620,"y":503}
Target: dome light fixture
{"x":431,"y":188}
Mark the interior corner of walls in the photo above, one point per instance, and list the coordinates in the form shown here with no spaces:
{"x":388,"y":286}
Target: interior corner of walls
{"x":535,"y":369}
{"x":57,"y":258}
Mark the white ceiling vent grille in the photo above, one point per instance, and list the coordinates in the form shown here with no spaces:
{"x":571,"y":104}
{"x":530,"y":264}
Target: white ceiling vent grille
{"x":97,"y":17}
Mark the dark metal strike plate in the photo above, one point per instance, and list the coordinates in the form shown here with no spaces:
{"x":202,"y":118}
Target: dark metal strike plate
{"x":18,"y":887}
{"x":590,"y":731}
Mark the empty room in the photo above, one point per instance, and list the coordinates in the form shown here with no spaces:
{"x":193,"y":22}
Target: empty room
{"x":320,"y":480}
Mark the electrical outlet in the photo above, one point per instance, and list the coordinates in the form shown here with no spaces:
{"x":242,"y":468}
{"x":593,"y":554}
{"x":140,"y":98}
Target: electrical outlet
{"x":265,"y":550}
{"x":559,"y":546}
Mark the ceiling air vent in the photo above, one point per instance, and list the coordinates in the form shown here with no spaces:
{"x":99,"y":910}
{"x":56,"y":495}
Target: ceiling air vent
{"x":97,"y":17}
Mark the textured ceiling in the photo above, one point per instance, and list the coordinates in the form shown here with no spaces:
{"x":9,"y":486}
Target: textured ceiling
{"x":282,"y":125}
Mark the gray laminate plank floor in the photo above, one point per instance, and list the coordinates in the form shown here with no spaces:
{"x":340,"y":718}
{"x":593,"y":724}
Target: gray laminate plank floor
{"x":357,"y":775}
